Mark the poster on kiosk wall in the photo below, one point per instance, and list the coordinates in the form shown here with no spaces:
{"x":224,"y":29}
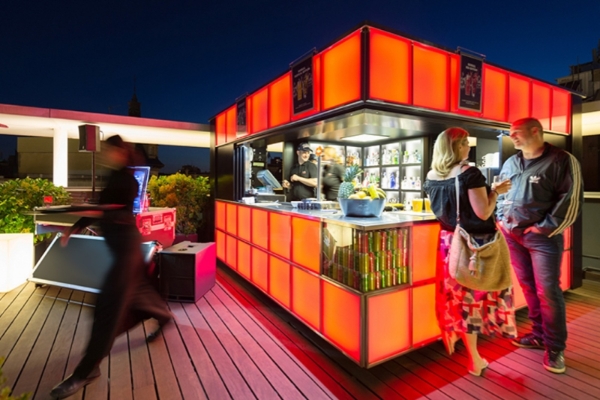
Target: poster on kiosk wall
{"x":471,"y":73}
{"x":241,"y":117}
{"x":302,"y":86}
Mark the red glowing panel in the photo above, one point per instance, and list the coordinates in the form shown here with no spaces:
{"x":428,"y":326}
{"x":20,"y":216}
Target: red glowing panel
{"x":243,"y":225}
{"x":280,"y":101}
{"x":260,"y":269}
{"x":388,"y":331}
{"x":424,"y":251}
{"x":493,"y":93}
{"x":306,"y":242}
{"x":316,"y":90}
{"x":540,"y":103}
{"x":518,"y":297}
{"x":430,"y":77}
{"x":565,"y":270}
{"x":259,"y":111}
{"x":231,"y":123}
{"x":519,"y":97}
{"x":567,"y":238}
{"x":280,"y":238}
{"x":425,"y":324}
{"x":389,"y":67}
{"x":341,"y":72}
{"x":243,"y":259}
{"x":232,"y":219}
{"x":561,"y":111}
{"x":220,"y":215}
{"x":260,"y":228}
{"x":341,"y":318}
{"x":231,"y":255}
{"x":220,"y":242}
{"x":279,"y":280}
{"x":306,"y":297}
{"x":221,"y":129}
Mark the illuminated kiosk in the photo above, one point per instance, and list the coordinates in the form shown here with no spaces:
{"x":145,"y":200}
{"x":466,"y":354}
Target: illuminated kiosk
{"x":370,"y":296}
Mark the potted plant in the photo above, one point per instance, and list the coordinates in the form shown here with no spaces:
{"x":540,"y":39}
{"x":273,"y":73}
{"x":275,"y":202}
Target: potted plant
{"x":189,"y":195}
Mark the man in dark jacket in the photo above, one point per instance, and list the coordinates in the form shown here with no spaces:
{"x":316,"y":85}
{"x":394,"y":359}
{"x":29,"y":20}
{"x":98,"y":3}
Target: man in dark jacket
{"x":303,"y":176}
{"x":545,"y":199}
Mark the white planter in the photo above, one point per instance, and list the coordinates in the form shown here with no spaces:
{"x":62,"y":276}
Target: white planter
{"x":16,"y":259}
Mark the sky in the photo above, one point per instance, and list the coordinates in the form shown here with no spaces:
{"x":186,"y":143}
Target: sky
{"x":190,"y":59}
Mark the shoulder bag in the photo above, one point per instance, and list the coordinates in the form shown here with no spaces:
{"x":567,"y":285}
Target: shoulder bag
{"x":479,"y":267}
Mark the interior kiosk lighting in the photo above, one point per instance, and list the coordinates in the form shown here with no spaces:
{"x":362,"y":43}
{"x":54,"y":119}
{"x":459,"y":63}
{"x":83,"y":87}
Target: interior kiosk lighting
{"x":268,"y":180}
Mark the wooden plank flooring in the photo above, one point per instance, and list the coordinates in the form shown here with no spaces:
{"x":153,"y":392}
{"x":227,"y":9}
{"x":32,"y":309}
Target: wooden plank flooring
{"x":235,"y":343}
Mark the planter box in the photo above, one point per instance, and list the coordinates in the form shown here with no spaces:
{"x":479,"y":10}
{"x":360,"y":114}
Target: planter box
{"x":16,"y":259}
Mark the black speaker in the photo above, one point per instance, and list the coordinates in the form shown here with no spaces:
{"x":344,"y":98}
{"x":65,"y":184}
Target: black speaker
{"x":89,"y":138}
{"x":187,"y":271}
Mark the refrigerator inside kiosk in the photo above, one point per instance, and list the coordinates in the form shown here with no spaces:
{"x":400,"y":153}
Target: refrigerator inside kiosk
{"x":412,"y":172}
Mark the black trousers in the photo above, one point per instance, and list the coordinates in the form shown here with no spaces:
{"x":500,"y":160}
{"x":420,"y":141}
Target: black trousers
{"x":126,"y":298}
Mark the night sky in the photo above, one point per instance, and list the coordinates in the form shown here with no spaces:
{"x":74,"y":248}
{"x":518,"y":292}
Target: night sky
{"x":191,"y":59}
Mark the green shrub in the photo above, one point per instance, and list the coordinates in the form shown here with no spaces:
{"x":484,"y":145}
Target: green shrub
{"x":22,"y":195}
{"x":187,"y":194}
{"x":5,"y":391}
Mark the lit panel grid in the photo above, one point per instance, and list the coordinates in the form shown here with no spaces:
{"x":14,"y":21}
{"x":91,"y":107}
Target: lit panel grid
{"x":259,"y":111}
{"x":494,"y":93}
{"x":244,"y":225}
{"x":424,"y":244}
{"x":279,"y":280}
{"x":561,"y":111}
{"x":390,"y":65}
{"x":425,"y":325}
{"x":306,"y":296}
{"x":244,"y":261}
{"x":389,"y":332}
{"x":519,"y":97}
{"x":231,"y":128}
{"x":231,"y":219}
{"x":280,"y":100}
{"x":260,"y":269}
{"x":342,"y":318}
{"x":231,"y":254}
{"x":221,"y":129}
{"x":220,"y":215}
{"x":341,"y":72}
{"x":306,"y":240}
{"x":430,"y":78}
{"x":565,"y":270}
{"x":541,"y":98}
{"x":220,"y":243}
{"x":260,"y":228}
{"x":280,"y":240}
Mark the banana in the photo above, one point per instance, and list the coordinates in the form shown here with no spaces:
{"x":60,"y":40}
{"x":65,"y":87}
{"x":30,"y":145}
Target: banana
{"x":381,"y":193}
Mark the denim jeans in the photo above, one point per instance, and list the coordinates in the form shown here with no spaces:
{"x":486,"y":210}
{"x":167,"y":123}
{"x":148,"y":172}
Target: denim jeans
{"x":536,"y":260}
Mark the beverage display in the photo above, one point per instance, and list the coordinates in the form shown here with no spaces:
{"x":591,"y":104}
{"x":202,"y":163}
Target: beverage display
{"x":375,"y":260}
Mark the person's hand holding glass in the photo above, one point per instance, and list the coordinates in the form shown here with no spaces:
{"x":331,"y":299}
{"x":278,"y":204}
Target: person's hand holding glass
{"x":502,"y":184}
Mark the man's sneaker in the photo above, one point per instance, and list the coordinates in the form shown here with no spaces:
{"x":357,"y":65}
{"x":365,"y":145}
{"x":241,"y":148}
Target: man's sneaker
{"x":529,"y":341}
{"x":554,"y":361}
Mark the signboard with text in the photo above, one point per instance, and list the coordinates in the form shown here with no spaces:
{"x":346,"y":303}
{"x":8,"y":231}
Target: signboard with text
{"x":302,"y":86}
{"x":471,"y":72}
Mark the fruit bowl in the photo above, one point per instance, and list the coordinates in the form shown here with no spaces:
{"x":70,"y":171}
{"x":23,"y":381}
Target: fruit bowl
{"x":362,"y":207}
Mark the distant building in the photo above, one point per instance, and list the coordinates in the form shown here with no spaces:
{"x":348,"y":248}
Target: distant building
{"x":585,"y":78}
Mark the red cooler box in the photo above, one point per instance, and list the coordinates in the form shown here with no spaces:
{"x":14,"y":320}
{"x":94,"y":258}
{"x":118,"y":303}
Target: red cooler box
{"x":187,"y":271}
{"x":157,"y":224}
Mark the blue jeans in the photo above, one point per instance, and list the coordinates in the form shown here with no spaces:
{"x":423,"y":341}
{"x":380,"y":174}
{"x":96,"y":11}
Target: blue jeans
{"x":536,"y":260}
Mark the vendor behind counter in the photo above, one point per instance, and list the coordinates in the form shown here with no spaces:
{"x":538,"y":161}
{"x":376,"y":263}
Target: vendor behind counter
{"x":302,"y":179}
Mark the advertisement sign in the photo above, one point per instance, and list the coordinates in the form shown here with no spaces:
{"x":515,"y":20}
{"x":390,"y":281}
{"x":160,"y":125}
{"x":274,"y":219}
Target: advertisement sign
{"x":302,"y":86}
{"x":471,"y":72}
{"x":241,"y":117}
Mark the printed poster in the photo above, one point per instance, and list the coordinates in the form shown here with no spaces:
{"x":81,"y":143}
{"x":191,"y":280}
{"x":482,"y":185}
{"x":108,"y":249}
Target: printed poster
{"x":302,"y":86}
{"x":471,"y":72}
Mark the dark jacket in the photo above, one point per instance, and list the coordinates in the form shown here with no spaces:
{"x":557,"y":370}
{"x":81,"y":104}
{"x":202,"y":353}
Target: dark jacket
{"x":299,"y":190}
{"x":548,"y":193}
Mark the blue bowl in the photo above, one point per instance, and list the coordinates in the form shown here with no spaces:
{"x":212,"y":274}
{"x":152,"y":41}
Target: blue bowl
{"x":362,"y":207}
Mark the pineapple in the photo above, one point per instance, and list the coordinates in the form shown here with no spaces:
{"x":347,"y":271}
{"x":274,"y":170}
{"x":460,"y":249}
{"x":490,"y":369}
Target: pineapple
{"x":347,"y":187}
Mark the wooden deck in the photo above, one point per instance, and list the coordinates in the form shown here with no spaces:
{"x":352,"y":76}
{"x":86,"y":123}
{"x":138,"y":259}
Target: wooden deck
{"x":236,"y":343}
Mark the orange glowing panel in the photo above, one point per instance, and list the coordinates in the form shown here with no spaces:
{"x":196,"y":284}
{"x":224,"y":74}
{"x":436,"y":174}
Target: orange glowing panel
{"x":220,"y":215}
{"x":424,"y":251}
{"x":260,"y":228}
{"x":280,"y":100}
{"x":306,"y":297}
{"x":243,"y":259}
{"x":232,"y":219}
{"x":221,"y":129}
{"x":341,"y":72}
{"x":430,"y":78}
{"x":231,"y":255}
{"x":259,"y":111}
{"x":567,"y":238}
{"x":341,"y":318}
{"x":280,"y":237}
{"x":390,"y":65}
{"x":565,"y":270}
{"x":244,"y":223}
{"x":561,"y":111}
{"x":279,"y":280}
{"x":389,"y":332}
{"x":220,"y":242}
{"x":519,"y":97}
{"x":541,"y":103}
{"x":425,"y":325}
{"x":306,"y":243}
{"x":260,"y":269}
{"x":231,"y":127}
{"x":493,"y":93}
{"x":316,"y":90}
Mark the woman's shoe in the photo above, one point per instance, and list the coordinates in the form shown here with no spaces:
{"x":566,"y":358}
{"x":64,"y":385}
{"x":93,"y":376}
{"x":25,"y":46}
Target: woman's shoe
{"x":450,"y":338}
{"x":478,"y":372}
{"x":152,"y":336}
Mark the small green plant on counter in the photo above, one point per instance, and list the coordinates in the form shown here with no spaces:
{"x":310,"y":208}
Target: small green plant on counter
{"x":189,"y":195}
{"x":5,"y":390}
{"x":19,"y":196}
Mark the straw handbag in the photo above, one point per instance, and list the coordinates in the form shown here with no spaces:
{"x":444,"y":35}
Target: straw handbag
{"x":479,"y":267}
